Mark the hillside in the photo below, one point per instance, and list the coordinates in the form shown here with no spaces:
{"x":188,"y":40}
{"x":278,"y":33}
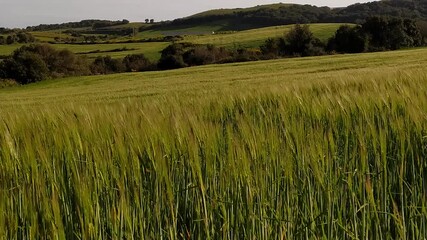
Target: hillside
{"x":280,"y":14}
{"x":219,"y":20}
{"x":207,"y":81}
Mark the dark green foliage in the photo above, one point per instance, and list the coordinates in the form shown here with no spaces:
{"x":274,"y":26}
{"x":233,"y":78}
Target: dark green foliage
{"x":348,"y":39}
{"x":59,"y":62}
{"x":17,"y":37}
{"x":35,"y":63}
{"x":181,"y":55}
{"x":137,"y":63}
{"x":422,"y":26}
{"x":393,"y":33}
{"x":300,"y":41}
{"x":172,"y":56}
{"x":205,"y":54}
{"x":10,"y":39}
{"x":171,"y":62}
{"x":25,"y":67}
{"x":273,"y":47}
{"x":82,"y":24}
{"x":107,"y":65}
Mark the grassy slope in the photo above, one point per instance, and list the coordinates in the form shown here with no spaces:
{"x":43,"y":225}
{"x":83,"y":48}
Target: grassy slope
{"x":327,"y":147}
{"x":151,"y":49}
{"x":248,"y":38}
{"x":256,"y":37}
{"x":231,"y":11}
{"x":274,"y":75}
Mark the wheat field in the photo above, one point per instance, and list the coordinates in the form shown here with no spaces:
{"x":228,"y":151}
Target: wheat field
{"x":312,"y":148}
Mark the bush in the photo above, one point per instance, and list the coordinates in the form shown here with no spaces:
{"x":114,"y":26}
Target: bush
{"x":391,"y":33}
{"x":25,"y":67}
{"x":205,"y":54}
{"x":137,"y":63}
{"x":273,"y":47}
{"x":172,"y":56}
{"x":171,"y":62}
{"x":300,"y":41}
{"x":107,"y":65}
{"x":60,"y":63}
{"x":38,"y":62}
{"x":348,"y":39}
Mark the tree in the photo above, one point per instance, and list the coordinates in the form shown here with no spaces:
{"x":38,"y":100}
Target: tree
{"x":172,"y":56}
{"x":106,"y":65}
{"x":300,"y":41}
{"x":10,"y":40}
{"x":391,"y":33}
{"x":136,"y":63}
{"x":273,"y":47}
{"x":348,"y":39}
{"x":151,"y":21}
{"x":147,"y":20}
{"x":25,"y":67}
{"x":37,"y":62}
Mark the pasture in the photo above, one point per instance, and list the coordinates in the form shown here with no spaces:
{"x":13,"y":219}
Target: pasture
{"x":256,"y":37}
{"x":327,"y":147}
{"x":198,"y":35}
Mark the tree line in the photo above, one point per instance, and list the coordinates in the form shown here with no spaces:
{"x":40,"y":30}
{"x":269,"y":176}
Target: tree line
{"x":90,"y":23}
{"x":37,"y":62}
{"x":375,"y":34}
{"x":17,"y":37}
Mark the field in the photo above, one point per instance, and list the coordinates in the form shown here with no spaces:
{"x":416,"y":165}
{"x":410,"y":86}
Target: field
{"x":256,"y":37}
{"x":151,"y":49}
{"x":248,"y":38}
{"x":310,"y":148}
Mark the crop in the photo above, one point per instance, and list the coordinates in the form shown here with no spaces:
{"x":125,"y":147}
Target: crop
{"x":286,"y":149}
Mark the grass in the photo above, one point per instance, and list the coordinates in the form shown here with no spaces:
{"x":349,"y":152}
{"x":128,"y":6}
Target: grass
{"x":199,"y":35}
{"x":218,"y":12}
{"x":326,"y":147}
{"x":8,"y":49}
{"x":256,"y":37}
{"x":151,"y":49}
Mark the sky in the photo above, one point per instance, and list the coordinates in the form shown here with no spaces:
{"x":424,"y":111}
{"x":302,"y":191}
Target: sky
{"x":22,"y":13}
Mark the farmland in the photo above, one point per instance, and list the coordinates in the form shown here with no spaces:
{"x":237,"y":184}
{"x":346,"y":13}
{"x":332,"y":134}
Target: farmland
{"x":248,"y":38}
{"x":327,"y":147}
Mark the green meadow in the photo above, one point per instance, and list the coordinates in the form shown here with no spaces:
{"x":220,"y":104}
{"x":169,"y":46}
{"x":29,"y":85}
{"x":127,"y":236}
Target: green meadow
{"x":256,"y":37}
{"x":150,"y":49}
{"x":327,"y":147}
{"x":248,"y":39}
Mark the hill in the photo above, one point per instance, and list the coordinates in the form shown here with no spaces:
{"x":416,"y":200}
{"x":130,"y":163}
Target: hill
{"x":281,"y":14}
{"x":248,"y":38}
{"x":226,"y":20}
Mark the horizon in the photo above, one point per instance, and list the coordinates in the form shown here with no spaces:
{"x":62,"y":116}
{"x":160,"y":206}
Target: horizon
{"x":34,"y":14}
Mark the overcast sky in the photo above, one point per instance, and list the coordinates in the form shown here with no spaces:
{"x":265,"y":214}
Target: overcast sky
{"x":22,"y":13}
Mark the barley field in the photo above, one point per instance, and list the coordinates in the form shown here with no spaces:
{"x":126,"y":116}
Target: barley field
{"x":330,"y":147}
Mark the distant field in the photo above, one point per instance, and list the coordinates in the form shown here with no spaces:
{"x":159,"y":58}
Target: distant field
{"x":250,"y":38}
{"x":329,"y":147}
{"x":213,"y":79}
{"x":151,"y":50}
{"x":256,"y":37}
{"x":8,"y":49}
